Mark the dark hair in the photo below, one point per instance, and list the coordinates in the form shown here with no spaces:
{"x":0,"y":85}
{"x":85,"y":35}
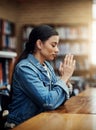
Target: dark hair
{"x":42,"y":32}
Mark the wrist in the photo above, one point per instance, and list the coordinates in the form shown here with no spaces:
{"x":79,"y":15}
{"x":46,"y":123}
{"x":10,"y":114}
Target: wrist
{"x":64,"y":79}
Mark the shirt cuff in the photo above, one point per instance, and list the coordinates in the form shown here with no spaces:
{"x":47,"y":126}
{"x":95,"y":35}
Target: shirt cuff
{"x":63,"y":85}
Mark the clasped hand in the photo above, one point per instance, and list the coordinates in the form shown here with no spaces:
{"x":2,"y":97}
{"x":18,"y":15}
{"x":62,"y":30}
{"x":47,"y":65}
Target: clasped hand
{"x":67,"y":67}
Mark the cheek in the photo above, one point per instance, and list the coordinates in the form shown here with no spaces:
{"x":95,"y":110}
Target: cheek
{"x":47,"y":53}
{"x":48,"y":50}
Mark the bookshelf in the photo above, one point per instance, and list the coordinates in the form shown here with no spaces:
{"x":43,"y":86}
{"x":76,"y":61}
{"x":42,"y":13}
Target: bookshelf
{"x":7,"y":35}
{"x":7,"y":51}
{"x":74,"y":39}
{"x":26,"y":29}
{"x":7,"y":60}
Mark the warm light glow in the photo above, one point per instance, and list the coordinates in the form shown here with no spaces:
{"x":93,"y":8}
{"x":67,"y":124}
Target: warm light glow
{"x":94,"y":31}
{"x":93,"y":44}
{"x":94,"y":11}
{"x":93,"y":53}
{"x":93,"y":47}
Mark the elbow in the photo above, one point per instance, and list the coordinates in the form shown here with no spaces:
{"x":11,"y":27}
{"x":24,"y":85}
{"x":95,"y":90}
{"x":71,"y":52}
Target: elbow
{"x":49,"y":106}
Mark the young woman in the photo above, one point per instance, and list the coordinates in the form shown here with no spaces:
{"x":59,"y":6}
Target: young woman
{"x":35,"y":86}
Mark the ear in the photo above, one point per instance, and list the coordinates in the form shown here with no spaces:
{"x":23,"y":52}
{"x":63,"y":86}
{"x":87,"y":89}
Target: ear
{"x":39,"y":44}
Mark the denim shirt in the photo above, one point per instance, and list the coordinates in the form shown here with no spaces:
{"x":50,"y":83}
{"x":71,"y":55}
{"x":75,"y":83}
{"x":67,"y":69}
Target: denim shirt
{"x":33,"y":91}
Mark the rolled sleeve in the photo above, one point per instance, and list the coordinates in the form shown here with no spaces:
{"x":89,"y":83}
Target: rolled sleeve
{"x":63,"y":85}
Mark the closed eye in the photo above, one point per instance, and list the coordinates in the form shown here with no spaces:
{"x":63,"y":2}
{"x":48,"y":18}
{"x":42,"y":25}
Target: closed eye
{"x":54,"y":44}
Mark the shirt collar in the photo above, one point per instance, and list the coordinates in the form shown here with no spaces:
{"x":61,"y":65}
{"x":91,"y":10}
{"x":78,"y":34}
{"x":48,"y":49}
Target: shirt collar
{"x":35,"y":62}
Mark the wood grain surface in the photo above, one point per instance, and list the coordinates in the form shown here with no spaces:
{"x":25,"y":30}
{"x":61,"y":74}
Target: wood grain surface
{"x":78,"y":113}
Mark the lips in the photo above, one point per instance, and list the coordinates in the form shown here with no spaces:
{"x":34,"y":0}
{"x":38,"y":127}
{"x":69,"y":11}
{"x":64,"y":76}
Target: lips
{"x":55,"y":55}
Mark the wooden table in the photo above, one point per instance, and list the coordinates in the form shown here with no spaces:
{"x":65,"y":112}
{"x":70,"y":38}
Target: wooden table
{"x":84,"y":103}
{"x":78,"y":113}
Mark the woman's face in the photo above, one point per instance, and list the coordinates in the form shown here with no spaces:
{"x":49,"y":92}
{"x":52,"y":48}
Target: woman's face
{"x":49,"y":48}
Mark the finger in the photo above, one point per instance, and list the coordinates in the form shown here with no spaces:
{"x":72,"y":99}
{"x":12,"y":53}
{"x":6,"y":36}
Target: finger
{"x":74,"y":63}
{"x":68,"y":59}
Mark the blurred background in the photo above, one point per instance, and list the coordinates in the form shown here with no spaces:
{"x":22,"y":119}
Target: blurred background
{"x":75,"y":21}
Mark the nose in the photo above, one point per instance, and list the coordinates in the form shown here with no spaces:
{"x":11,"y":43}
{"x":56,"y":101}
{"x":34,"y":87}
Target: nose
{"x":56,"y":49}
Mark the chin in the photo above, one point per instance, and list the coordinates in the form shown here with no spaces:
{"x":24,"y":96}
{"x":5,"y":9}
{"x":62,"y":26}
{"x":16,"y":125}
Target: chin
{"x":51,"y":58}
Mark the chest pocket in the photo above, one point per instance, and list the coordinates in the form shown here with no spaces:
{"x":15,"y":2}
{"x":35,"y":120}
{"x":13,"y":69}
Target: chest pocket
{"x":45,"y":79}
